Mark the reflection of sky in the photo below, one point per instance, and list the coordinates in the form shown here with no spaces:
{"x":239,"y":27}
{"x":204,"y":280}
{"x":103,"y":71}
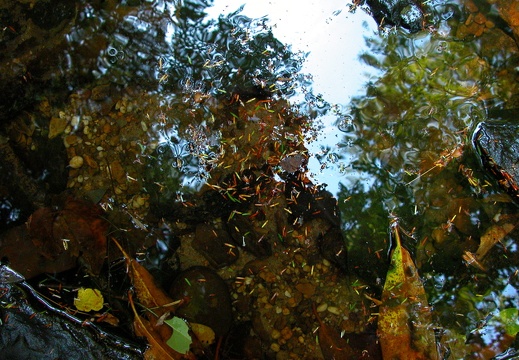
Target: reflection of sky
{"x":334,"y":38}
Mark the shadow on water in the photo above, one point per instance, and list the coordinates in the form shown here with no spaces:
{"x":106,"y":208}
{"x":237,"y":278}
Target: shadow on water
{"x":153,"y":101}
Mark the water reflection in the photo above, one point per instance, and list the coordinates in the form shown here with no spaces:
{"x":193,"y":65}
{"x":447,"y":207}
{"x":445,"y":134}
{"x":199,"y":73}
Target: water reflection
{"x":183,"y":100}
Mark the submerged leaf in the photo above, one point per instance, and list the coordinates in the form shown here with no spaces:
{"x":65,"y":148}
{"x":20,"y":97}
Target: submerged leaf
{"x":404,"y":324}
{"x":180,"y":340}
{"x":492,"y":236}
{"x":158,"y":349}
{"x":149,"y":294}
{"x":333,"y":346}
{"x":88,"y":300}
{"x":510,"y":320}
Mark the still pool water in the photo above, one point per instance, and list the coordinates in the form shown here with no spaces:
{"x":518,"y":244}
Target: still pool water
{"x":154,"y":102}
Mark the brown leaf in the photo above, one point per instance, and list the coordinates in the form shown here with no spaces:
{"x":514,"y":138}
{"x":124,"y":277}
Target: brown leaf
{"x":78,"y":228}
{"x":158,"y":349}
{"x":333,"y":346}
{"x":491,"y":237}
{"x":149,"y":294}
{"x":405,"y":323}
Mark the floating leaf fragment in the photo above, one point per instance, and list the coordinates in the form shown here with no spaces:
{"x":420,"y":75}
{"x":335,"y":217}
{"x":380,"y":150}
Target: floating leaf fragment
{"x":88,"y":299}
{"x":180,"y":340}
{"x":405,"y":324}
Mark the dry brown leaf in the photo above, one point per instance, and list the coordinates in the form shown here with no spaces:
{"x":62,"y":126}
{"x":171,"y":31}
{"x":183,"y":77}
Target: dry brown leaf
{"x":491,"y":237}
{"x":405,"y":323}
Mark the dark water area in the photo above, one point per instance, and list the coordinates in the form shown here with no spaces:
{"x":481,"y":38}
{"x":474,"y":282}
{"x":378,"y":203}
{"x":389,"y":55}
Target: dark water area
{"x":279,"y":137}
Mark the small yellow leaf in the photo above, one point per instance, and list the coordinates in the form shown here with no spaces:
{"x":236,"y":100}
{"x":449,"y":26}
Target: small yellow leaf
{"x":88,"y":300}
{"x":204,"y":333}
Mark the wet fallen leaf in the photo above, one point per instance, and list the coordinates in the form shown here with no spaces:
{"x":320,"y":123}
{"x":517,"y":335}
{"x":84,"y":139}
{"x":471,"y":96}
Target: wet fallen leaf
{"x":158,"y":304}
{"x":404,"y":324}
{"x":148,"y":293}
{"x":78,"y":228}
{"x":180,"y":340}
{"x":88,"y":300}
{"x":158,"y":349}
{"x":491,"y":237}
{"x":203,"y":333}
{"x":333,"y":346}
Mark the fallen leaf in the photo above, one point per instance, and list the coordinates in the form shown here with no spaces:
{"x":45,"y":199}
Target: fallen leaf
{"x":333,"y":346}
{"x":78,"y":228}
{"x":491,"y":237}
{"x":203,"y":333}
{"x":158,"y":349}
{"x":88,"y":299}
{"x":404,"y":325}
{"x":149,"y":294}
{"x":180,"y":340}
{"x":152,"y":298}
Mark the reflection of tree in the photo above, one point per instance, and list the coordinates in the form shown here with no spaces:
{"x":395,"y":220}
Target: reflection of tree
{"x":408,"y":133}
{"x":198,"y":68}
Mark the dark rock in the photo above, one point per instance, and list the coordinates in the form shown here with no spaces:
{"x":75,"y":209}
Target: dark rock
{"x":206,"y":298}
{"x":249,"y":235}
{"x":497,"y":143}
{"x":307,"y":201}
{"x":33,"y":329}
{"x":333,"y":248}
{"x":213,"y":243}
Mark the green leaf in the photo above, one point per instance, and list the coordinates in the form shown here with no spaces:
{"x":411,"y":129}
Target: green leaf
{"x":180,"y":340}
{"x":510,"y":320}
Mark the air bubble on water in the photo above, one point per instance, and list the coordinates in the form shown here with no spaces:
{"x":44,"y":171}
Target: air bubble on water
{"x":333,"y":158}
{"x":112,"y":51}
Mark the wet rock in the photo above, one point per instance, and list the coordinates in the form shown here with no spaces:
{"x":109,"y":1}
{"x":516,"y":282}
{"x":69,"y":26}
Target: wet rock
{"x":333,"y":248}
{"x":215,"y":245}
{"x":497,"y":143}
{"x":39,"y":331}
{"x":100,"y":92}
{"x":249,"y":235}
{"x":206,"y":298}
{"x":307,"y":201}
{"x":49,"y":14}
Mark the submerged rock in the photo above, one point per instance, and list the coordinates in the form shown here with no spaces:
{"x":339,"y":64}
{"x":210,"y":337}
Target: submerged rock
{"x":497,"y":143}
{"x":207,"y":298}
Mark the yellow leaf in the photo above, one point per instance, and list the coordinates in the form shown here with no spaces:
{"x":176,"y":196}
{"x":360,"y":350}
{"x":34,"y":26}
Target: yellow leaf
{"x":203,"y":333}
{"x":405,"y":325}
{"x":88,"y":300}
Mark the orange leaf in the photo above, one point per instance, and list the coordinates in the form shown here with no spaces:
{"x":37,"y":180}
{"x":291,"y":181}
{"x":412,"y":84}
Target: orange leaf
{"x":149,"y":294}
{"x":492,"y":236}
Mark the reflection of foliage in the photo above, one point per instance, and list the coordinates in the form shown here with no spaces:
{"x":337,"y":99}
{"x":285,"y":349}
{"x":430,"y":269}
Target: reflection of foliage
{"x":408,"y":136}
{"x":232,"y":53}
